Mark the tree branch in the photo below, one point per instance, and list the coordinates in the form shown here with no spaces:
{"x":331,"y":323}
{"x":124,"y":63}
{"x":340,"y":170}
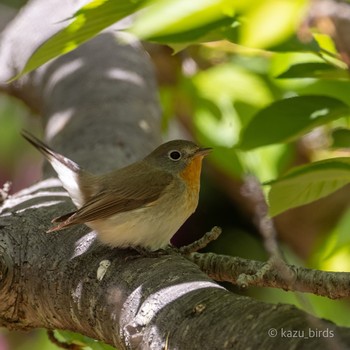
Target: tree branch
{"x":245,"y":273}
{"x":201,"y":243}
{"x":273,"y":273}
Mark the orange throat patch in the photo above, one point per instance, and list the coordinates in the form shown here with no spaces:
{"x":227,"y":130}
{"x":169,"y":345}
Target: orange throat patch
{"x":191,"y":174}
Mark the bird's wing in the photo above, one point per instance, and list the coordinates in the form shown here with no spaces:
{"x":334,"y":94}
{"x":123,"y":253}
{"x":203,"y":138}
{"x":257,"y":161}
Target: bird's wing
{"x":141,"y":191}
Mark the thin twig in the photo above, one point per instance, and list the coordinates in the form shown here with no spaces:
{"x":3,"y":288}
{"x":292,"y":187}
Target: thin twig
{"x":252,"y":190}
{"x":201,"y":243}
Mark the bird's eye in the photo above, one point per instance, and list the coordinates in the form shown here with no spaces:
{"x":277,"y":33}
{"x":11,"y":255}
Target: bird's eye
{"x":174,"y":155}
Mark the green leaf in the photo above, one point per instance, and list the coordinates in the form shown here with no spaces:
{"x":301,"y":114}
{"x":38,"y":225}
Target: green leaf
{"x":308,"y":183}
{"x":215,"y":30}
{"x":287,"y":119}
{"x":293,"y":44}
{"x":340,"y":138}
{"x":276,"y":156}
{"x":82,"y":340}
{"x":314,"y":70}
{"x":216,"y":94}
{"x":339,"y":89}
{"x":182,"y":18}
{"x":336,"y":242}
{"x":87,"y":22}
{"x":231,"y":82}
{"x":269,"y":23}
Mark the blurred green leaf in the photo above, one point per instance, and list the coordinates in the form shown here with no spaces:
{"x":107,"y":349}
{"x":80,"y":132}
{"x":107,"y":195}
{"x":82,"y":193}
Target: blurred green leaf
{"x":13,"y":3}
{"x":336,"y":241}
{"x":12,"y":115}
{"x":228,"y":160}
{"x":325,"y":42}
{"x":216,"y":92}
{"x":215,"y":30}
{"x":86,"y":342}
{"x":308,"y":183}
{"x":281,"y":62}
{"x":339,"y":89}
{"x":86,"y":23}
{"x":220,"y":123}
{"x":255,"y":161}
{"x":182,"y":18}
{"x":293,"y":44}
{"x":314,"y":70}
{"x":285,"y":120}
{"x":335,"y":311}
{"x":228,"y":81}
{"x":268,"y":23}
{"x":340,"y":138}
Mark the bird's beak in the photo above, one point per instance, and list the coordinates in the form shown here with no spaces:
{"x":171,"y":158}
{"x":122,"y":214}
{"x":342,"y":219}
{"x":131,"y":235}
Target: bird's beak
{"x":203,"y":151}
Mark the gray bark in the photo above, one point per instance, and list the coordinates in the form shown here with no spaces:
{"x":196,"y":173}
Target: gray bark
{"x":99,"y":107}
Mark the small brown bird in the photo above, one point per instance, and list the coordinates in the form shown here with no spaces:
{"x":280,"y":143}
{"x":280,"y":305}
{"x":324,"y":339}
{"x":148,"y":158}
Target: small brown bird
{"x":141,"y":205}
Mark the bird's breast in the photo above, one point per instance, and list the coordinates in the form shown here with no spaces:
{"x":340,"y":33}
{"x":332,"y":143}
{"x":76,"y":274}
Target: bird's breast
{"x":191,"y":176}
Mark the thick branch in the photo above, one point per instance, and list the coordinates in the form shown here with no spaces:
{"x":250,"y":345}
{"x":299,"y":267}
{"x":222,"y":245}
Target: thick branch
{"x":55,"y":282}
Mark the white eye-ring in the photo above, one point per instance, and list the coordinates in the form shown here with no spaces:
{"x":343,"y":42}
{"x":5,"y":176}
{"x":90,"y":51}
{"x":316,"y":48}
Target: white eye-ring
{"x":174,"y":155}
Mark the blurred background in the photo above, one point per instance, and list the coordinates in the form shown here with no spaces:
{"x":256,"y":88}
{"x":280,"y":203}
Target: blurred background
{"x":210,"y":91}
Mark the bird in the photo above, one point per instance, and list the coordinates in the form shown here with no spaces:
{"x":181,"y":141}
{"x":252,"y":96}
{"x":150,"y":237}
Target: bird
{"x":141,"y":205}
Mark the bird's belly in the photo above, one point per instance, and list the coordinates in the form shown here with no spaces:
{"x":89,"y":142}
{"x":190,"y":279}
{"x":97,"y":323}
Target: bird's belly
{"x":150,"y":227}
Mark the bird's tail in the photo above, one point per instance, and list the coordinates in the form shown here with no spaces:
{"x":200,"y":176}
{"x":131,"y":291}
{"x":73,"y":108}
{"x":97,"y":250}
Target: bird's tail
{"x":68,"y":171}
{"x":49,"y":153}
{"x":64,"y":221}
